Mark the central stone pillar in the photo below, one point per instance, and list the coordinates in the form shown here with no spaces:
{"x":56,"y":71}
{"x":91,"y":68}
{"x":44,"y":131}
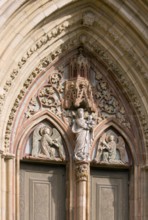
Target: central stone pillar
{"x":82,"y":172}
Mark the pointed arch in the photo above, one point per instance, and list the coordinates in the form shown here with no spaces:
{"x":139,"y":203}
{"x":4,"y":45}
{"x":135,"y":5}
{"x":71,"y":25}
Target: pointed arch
{"x":128,"y":136}
{"x":39,"y":79}
{"x":35,"y":32}
{"x":72,"y":26}
{"x":28,"y":127}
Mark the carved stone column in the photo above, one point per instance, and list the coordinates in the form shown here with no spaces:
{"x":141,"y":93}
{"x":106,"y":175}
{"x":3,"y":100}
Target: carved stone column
{"x":9,"y":165}
{"x":3,"y":187}
{"x":82,"y":172}
{"x":6,"y":185}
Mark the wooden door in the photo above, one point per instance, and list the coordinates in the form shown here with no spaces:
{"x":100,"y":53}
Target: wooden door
{"x":42,"y":192}
{"x":109,"y":195}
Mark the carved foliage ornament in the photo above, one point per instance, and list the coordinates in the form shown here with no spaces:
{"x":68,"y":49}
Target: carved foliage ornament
{"x":82,"y":172}
{"x":107,"y":102}
{"x":71,"y":99}
{"x":49,"y":97}
{"x":103,"y":54}
{"x":63,"y":97}
{"x":38,"y":70}
{"x":88,"y":20}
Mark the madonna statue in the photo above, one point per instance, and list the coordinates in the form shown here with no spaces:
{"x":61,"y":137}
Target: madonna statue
{"x":83,"y":131}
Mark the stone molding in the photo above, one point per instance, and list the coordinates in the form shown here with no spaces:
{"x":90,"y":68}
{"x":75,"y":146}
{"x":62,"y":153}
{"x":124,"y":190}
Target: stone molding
{"x":23,"y":91}
{"x":104,"y":56}
{"x":111,"y":32}
{"x":41,"y":42}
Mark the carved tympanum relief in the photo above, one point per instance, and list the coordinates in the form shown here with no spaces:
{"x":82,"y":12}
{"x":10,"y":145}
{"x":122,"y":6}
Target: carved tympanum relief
{"x":82,"y":98}
{"x":45,"y":142}
{"x":111,"y":149}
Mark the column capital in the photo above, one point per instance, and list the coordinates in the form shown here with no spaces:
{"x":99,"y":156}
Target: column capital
{"x":8,"y":156}
{"x":82,"y":171}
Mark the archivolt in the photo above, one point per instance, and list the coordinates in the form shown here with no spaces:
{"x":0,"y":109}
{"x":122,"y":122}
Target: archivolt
{"x":110,"y":40}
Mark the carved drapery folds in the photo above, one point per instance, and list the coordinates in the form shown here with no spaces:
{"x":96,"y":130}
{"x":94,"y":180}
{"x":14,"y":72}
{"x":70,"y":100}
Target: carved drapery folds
{"x":45,"y":142}
{"x":83,"y":130}
{"x":111,"y":149}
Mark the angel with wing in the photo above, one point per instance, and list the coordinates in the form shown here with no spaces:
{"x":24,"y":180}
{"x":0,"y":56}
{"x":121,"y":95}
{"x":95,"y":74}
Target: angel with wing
{"x":45,"y":141}
{"x":108,"y":146}
{"x":121,"y":149}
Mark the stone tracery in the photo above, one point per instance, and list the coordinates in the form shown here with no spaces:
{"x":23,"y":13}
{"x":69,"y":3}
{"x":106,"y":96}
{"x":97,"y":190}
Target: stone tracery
{"x":78,"y":89}
{"x":62,"y":96}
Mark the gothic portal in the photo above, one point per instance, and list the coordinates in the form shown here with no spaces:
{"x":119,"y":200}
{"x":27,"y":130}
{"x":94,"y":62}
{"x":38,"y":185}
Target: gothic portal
{"x":77,"y":146}
{"x":74,"y":111}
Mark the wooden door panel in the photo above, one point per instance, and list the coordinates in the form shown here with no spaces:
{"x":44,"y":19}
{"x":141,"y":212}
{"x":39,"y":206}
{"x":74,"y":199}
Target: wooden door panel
{"x":109,"y":195}
{"x":42,"y":192}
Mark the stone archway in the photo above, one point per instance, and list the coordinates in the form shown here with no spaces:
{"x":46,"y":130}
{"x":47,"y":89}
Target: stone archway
{"x":46,"y":37}
{"x":75,"y":99}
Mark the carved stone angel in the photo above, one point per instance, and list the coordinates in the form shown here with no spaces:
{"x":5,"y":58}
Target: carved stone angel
{"x":47,"y":143}
{"x":111,"y":149}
